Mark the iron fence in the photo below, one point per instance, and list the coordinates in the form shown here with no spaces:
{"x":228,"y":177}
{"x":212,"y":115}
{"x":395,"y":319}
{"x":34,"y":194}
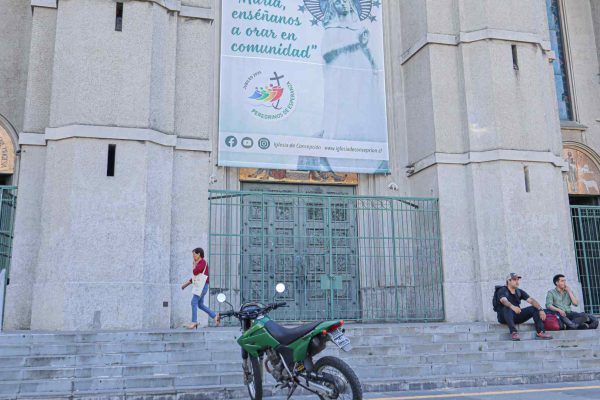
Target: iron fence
{"x":586,"y":234}
{"x":8,"y":204}
{"x":340,"y":256}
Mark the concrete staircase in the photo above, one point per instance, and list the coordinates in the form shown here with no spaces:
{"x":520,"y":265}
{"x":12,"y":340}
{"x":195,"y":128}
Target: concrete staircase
{"x":205,"y":364}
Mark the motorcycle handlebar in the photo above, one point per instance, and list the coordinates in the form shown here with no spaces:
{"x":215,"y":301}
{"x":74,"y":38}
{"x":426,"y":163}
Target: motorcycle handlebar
{"x":254,"y":313}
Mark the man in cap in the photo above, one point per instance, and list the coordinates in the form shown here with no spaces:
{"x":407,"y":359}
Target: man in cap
{"x":511,"y":314}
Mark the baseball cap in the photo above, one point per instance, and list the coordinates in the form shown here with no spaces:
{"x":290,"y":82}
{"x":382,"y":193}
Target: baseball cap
{"x":512,"y":275}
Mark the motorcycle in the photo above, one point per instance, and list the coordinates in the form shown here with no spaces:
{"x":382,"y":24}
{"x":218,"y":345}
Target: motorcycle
{"x":287,"y":353}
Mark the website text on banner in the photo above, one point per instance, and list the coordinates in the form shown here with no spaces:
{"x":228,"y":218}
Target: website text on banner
{"x":306,"y":72}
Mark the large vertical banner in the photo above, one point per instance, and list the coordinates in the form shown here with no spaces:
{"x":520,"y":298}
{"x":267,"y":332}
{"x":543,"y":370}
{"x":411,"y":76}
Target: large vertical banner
{"x":303,"y":85}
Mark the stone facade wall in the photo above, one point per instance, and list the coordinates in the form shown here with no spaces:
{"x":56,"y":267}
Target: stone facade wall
{"x":98,"y":252}
{"x":15,"y":31}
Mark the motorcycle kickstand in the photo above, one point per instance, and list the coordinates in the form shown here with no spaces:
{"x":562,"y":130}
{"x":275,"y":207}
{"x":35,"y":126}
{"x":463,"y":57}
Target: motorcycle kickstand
{"x":292,"y":390}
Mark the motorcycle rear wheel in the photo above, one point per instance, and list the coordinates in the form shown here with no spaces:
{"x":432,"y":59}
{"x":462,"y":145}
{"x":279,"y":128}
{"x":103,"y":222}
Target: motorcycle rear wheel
{"x":348,"y":387}
{"x":254,"y":378}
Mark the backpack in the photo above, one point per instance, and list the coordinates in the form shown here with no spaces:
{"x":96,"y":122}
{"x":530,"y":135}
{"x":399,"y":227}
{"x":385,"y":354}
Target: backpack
{"x":551,"y":323}
{"x":496,"y":300}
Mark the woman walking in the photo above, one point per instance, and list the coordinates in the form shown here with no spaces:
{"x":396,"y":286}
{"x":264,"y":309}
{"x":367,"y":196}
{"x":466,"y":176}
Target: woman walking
{"x":199,"y":284}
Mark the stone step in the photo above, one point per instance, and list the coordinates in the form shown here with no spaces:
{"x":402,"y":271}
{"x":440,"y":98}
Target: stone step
{"x":236,"y":390}
{"x":225,"y":343}
{"x":405,"y":353}
{"x":34,"y":368}
{"x":50,"y":355}
{"x":523,"y":377}
{"x":121,"y":377}
{"x":208,"y":361}
{"x":224,"y":333}
{"x":204,"y":334}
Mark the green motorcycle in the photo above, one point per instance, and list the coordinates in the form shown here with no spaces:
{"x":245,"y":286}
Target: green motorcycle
{"x":287,"y":354}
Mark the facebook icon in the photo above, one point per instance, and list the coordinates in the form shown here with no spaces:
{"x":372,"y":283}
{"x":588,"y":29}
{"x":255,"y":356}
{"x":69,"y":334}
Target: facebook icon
{"x":231,"y":141}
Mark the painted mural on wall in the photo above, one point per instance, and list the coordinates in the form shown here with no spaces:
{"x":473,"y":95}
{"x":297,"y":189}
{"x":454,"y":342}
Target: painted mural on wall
{"x":298,"y":177}
{"x":303,"y":86}
{"x":584,"y":175}
{"x":7,"y":153}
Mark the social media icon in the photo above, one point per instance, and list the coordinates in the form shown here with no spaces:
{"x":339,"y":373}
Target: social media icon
{"x":231,"y":141}
{"x":247,"y":142}
{"x":264,"y":143}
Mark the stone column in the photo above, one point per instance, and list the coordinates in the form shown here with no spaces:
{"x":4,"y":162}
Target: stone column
{"x":101,"y":258}
{"x":27,"y":237}
{"x":484,"y":136}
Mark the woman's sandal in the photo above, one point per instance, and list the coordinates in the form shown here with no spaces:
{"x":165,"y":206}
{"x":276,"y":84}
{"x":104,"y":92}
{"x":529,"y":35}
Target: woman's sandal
{"x":193,"y":325}
{"x":218,"y":320}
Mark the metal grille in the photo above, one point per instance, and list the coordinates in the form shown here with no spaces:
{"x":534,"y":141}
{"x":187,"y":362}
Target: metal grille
{"x":586,"y":233}
{"x":8,"y":204}
{"x":340,"y":256}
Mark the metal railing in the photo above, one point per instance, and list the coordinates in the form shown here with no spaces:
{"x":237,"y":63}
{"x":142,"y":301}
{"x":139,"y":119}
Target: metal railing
{"x":586,"y":234}
{"x":8,"y":204}
{"x":351,"y":257}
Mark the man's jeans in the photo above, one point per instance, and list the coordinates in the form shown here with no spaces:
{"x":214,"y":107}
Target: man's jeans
{"x":510,"y":318}
{"x":573,"y":319}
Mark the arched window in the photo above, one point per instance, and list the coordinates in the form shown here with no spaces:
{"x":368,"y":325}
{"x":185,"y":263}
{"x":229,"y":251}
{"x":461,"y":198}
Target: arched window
{"x":561,"y":77}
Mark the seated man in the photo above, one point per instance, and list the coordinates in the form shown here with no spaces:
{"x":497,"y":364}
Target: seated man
{"x":511,"y":314}
{"x":560,"y":299}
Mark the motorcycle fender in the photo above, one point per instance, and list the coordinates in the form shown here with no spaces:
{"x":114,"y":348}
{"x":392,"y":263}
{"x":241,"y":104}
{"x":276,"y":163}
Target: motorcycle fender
{"x":300,"y":347}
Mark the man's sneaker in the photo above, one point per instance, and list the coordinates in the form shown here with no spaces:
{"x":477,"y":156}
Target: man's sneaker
{"x":515,"y":336}
{"x":542,"y":336}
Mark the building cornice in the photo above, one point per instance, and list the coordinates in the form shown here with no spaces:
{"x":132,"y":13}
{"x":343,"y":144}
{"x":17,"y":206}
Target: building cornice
{"x":197,"y":12}
{"x":479,"y":157}
{"x":475,"y":36}
{"x":44,"y":3}
{"x":114,"y":133}
{"x":170,"y":5}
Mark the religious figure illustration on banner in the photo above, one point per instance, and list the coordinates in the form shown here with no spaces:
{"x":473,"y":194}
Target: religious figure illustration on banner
{"x":352,"y":82}
{"x":583,"y":176}
{"x":303,"y":87}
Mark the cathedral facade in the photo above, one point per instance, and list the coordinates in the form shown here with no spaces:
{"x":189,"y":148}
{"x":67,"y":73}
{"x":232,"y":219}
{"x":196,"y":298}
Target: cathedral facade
{"x":112,"y":110}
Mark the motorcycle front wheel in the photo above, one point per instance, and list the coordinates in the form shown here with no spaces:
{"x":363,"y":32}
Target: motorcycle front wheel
{"x":347,"y":385}
{"x":253,"y":378}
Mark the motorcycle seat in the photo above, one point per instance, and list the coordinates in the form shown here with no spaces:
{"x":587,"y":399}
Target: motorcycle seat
{"x":286,"y":336}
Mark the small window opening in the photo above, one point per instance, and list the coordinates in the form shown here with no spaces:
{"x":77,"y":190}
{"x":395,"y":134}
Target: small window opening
{"x":110,"y":167}
{"x":119,"y":17}
{"x":527,"y":183}
{"x":515,"y":57}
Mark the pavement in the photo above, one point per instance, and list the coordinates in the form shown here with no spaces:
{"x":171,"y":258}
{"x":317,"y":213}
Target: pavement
{"x":576,"y":391}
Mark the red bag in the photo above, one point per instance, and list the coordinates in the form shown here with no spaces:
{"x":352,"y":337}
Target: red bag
{"x":551,"y":323}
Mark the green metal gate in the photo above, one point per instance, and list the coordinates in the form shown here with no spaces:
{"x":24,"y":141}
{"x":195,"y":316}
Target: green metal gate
{"x":341,"y":256}
{"x":303,"y":248}
{"x":586,"y":234}
{"x":8,"y":204}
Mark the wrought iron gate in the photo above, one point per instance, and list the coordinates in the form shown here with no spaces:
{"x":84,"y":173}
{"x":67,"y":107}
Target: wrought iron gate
{"x":341,"y":255}
{"x":586,"y":234}
{"x":8,"y":204}
{"x":309,"y":246}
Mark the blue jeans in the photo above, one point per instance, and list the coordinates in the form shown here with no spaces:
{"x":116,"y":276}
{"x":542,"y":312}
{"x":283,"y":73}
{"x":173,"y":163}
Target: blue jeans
{"x":198,"y":303}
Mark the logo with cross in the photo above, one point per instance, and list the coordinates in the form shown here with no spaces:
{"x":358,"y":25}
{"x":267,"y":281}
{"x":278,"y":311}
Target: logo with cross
{"x":272,"y":98}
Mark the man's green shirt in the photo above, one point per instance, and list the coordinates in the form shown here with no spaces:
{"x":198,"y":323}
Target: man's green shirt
{"x":559,"y":300}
